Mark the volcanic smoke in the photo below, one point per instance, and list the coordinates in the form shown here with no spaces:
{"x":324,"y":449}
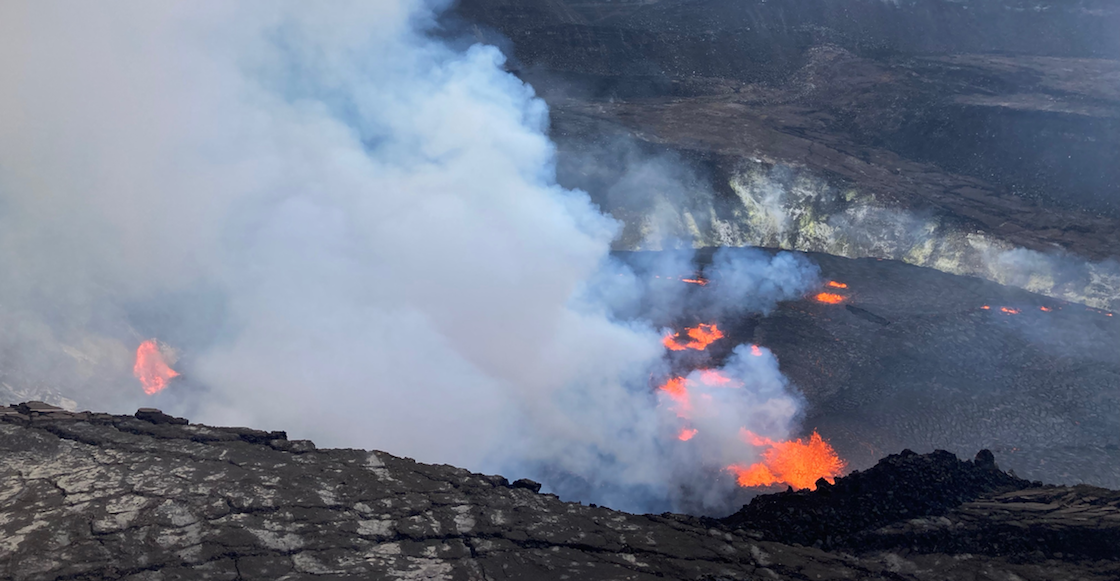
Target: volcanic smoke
{"x":151,"y":369}
{"x":799,"y":463}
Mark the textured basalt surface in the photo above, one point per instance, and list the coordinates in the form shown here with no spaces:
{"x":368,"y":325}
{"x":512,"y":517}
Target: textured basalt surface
{"x":985,"y":124}
{"x":96,"y":496}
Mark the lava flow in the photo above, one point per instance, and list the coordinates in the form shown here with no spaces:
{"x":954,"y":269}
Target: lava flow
{"x":151,"y":369}
{"x":830,"y":298}
{"x":701,"y":335}
{"x":798,"y":463}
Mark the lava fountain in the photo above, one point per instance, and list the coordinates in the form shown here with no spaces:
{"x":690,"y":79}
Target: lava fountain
{"x":798,"y":463}
{"x":151,"y":368}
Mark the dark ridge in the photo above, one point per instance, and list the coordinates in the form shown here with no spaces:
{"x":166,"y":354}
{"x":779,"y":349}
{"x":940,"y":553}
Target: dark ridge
{"x":99,"y":496}
{"x":867,"y":315}
{"x":900,"y":487}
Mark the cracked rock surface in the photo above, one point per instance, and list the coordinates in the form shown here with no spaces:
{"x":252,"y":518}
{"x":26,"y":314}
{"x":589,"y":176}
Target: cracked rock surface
{"x":96,"y":496}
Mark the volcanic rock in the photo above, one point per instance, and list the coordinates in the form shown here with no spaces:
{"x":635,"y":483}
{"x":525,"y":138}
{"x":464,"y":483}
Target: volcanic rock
{"x":979,"y":123}
{"x":116,"y":497}
{"x":900,"y":487}
{"x":158,"y":417}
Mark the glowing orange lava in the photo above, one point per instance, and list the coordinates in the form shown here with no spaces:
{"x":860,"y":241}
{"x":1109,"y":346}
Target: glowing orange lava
{"x":1045,"y":309}
{"x":756,"y":351}
{"x":150,"y":368}
{"x":798,"y":463}
{"x":686,"y":434}
{"x":676,"y":389}
{"x":701,"y":335}
{"x":835,"y":284}
{"x":986,"y":308}
{"x":1009,"y":311}
{"x":698,"y":281}
{"x":712,"y":377}
{"x":830,"y":298}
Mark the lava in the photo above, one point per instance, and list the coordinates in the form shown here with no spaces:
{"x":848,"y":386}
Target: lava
{"x":830,"y":298}
{"x":1045,"y":309}
{"x":701,"y":335}
{"x":835,"y":284}
{"x":1009,"y":311}
{"x":756,"y":351}
{"x":686,"y":434}
{"x":151,"y":369}
{"x":677,"y":390}
{"x":712,"y":377}
{"x":798,"y":463}
{"x":697,"y":280}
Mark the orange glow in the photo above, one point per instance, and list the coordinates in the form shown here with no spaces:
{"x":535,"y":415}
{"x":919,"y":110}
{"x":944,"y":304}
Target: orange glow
{"x":798,"y":463}
{"x":670,"y":343}
{"x":676,"y":389}
{"x":1045,"y":309}
{"x":835,"y":284}
{"x":986,"y":308}
{"x":1009,"y":311}
{"x":756,"y":351}
{"x":712,"y":377}
{"x":686,"y":434}
{"x":150,"y":368}
{"x":698,"y":281}
{"x":701,"y":335}
{"x":830,"y":298}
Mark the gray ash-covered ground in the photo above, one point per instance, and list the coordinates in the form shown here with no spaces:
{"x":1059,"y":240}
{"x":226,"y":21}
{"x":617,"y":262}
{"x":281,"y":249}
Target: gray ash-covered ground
{"x":912,"y":359}
{"x":90,"y":496}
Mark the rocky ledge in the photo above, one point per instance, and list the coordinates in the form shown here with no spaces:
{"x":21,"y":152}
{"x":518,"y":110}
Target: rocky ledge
{"x":153,"y":497}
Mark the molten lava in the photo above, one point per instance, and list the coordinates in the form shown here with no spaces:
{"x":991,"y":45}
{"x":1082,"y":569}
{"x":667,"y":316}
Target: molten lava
{"x":676,"y":388}
{"x":835,"y":284}
{"x":686,"y":434}
{"x":151,"y":369}
{"x":712,"y":377}
{"x":698,"y":281}
{"x":702,"y":336}
{"x":798,"y":463}
{"x":1009,"y":311}
{"x":756,"y":351}
{"x":830,"y":298}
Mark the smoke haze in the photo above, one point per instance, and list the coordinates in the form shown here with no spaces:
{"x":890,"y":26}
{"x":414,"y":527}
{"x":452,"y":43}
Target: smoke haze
{"x":347,"y":229}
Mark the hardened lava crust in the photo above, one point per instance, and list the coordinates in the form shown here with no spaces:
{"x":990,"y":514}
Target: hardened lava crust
{"x":151,"y":497}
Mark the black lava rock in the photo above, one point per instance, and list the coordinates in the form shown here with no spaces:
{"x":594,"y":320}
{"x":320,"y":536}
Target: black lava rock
{"x":901,"y":486}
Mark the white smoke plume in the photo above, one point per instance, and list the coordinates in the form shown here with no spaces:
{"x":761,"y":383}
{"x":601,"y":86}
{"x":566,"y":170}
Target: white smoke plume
{"x":350,"y":231}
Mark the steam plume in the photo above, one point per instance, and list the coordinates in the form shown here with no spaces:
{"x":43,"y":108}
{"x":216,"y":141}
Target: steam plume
{"x":351,"y":231}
